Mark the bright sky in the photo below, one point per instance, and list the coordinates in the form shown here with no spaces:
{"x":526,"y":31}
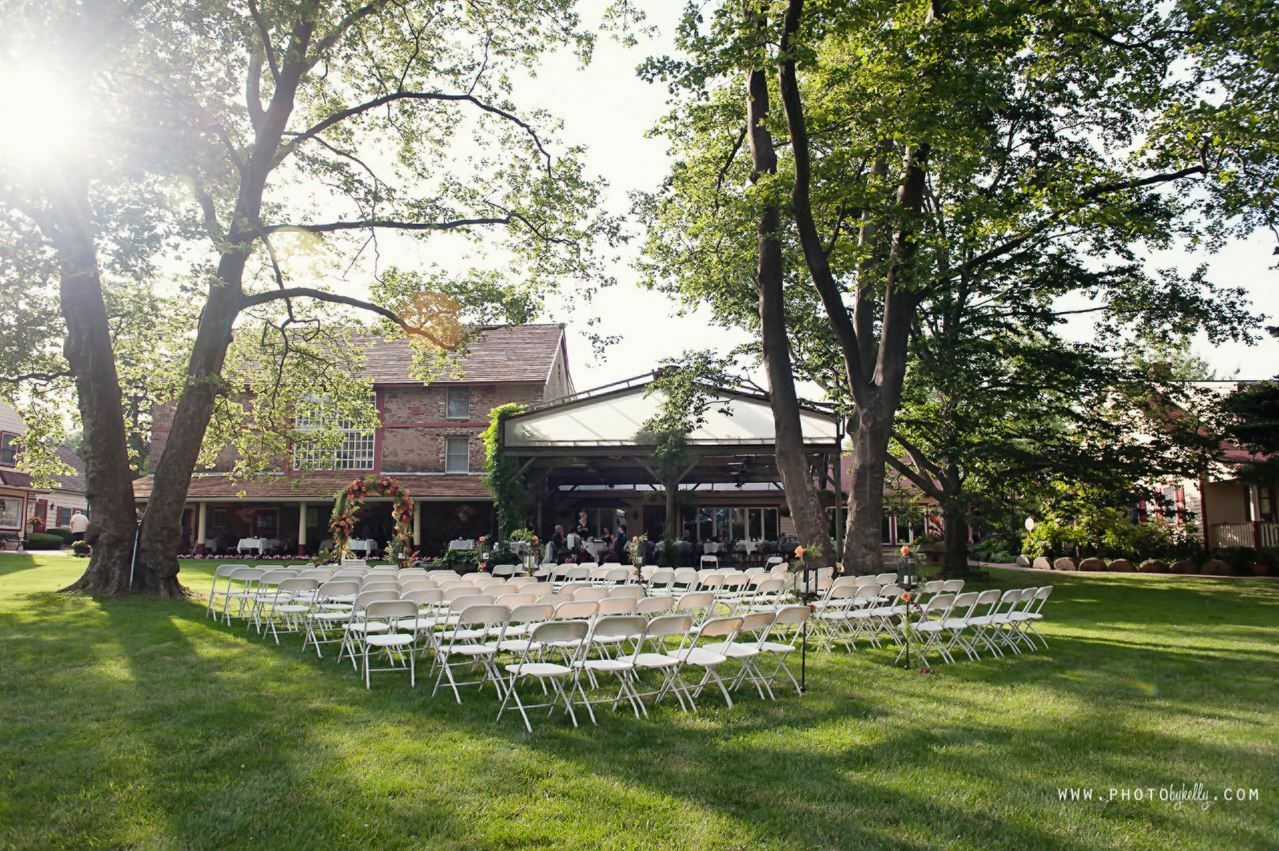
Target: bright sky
{"x":609,"y":110}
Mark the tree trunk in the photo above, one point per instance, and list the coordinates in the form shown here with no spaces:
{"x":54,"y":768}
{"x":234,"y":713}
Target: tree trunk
{"x":863,"y":535}
{"x":671,"y":488}
{"x":955,"y":536}
{"x":788,"y":437}
{"x":162,"y":521}
{"x":88,"y":349}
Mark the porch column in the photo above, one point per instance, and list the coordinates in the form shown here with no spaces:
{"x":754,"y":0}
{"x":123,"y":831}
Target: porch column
{"x":201,"y":526}
{"x":417,"y":523}
{"x":301,"y":528}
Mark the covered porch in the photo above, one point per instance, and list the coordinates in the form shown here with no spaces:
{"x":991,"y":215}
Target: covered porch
{"x":591,"y":453}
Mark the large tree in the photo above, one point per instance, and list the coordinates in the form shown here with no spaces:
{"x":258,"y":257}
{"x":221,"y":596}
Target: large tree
{"x":928,"y":146}
{"x":292,"y":134}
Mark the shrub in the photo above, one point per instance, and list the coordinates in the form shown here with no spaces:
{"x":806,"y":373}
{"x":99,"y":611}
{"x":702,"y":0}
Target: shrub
{"x":1240,"y":559}
{"x":43,"y":541}
{"x":61,"y":531}
{"x":522,"y":535}
{"x":463,"y":561}
{"x":80,"y":548}
{"x":670,"y":553}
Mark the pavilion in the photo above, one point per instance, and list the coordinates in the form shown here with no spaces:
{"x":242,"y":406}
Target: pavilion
{"x":589,"y":452}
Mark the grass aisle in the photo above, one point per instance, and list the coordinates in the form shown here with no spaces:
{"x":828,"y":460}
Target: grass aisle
{"x":139,"y":723}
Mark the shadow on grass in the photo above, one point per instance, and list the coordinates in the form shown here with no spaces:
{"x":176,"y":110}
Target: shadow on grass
{"x":198,"y":734}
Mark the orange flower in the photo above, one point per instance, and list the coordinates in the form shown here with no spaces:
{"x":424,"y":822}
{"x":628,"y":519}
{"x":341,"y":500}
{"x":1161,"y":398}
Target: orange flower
{"x":905,"y":550}
{"x":799,"y":552}
{"x":906,"y":597}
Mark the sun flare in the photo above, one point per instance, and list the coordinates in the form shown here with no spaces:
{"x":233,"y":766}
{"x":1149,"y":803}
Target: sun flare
{"x":41,"y":115}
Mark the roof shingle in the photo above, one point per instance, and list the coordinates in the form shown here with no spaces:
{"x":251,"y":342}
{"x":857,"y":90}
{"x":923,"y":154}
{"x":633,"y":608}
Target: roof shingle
{"x":498,"y":354}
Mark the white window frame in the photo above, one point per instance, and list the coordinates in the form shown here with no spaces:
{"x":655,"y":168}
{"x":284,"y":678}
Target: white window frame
{"x":357,"y":452}
{"x":13,"y":443}
{"x":15,"y":506}
{"x":448,"y":441}
{"x":448,"y":403}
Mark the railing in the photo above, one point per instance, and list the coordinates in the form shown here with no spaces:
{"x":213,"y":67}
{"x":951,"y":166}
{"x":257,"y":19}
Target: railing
{"x":1254,"y":534}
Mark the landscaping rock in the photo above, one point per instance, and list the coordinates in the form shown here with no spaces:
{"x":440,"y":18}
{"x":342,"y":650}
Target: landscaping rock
{"x":1153,"y":565}
{"x":1023,"y":561}
{"x":1216,"y":567}
{"x":1092,"y":564}
{"x":1121,"y":565}
{"x":1182,"y":565}
{"x":1064,"y":563}
{"x":1042,"y":563}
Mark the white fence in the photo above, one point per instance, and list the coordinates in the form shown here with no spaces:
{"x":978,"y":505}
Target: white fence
{"x":1245,"y":535}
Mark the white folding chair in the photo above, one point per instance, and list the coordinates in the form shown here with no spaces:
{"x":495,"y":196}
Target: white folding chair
{"x":222,"y":571}
{"x":698,"y":654}
{"x":395,"y":642}
{"x":562,"y":680}
{"x":474,"y":639}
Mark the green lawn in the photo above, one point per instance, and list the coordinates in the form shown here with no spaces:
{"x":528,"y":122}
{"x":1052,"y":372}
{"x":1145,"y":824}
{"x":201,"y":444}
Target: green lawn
{"x":139,"y":723}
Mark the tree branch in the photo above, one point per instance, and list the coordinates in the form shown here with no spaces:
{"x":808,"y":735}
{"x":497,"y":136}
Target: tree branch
{"x":810,"y":241}
{"x":926,"y":485}
{"x":391,"y":97}
{"x":334,"y":298}
{"x":388,"y":224}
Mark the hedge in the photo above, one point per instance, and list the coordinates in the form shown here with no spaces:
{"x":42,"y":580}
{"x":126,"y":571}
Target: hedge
{"x":43,"y":541}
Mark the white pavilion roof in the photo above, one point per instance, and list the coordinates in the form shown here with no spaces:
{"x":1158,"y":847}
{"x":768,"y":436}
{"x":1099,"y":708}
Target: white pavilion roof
{"x":613,"y":416}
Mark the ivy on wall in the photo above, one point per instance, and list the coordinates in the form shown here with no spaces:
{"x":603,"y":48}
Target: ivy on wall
{"x":505,"y":483}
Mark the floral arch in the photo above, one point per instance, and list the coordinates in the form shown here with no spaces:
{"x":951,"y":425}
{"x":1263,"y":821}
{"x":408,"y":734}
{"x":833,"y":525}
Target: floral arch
{"x":349,"y":501}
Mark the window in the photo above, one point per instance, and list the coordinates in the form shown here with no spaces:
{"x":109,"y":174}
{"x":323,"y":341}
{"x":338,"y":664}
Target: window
{"x":10,"y":513}
{"x":457,"y":455}
{"x":354,"y":452}
{"x":8,"y":449}
{"x":64,"y":516}
{"x":459,"y":403}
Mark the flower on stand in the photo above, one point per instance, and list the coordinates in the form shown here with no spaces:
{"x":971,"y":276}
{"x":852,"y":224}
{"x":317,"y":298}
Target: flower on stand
{"x":905,"y":550}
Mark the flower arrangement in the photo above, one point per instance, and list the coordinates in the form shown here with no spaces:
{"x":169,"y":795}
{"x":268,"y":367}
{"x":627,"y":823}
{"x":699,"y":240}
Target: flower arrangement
{"x":349,"y":501}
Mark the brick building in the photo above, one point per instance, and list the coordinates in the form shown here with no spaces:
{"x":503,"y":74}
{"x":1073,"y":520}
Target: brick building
{"x":429,"y":439}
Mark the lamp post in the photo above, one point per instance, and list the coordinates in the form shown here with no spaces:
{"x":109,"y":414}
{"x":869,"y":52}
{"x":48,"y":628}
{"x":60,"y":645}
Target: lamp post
{"x":907,"y":580}
{"x":808,"y":595}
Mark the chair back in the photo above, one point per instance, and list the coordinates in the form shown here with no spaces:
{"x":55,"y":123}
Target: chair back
{"x":669,"y":625}
{"x":632,"y":591}
{"x":576,"y":610}
{"x":553,"y":631}
{"x":485,"y":614}
{"x":391,"y":610}
{"x":720,"y":628}
{"x":424,"y":596}
{"x":610,"y":626}
{"x":592,"y":593}
{"x":616,"y":606}
{"x":791,"y":615}
{"x":652,"y":605}
{"x":952,"y":586}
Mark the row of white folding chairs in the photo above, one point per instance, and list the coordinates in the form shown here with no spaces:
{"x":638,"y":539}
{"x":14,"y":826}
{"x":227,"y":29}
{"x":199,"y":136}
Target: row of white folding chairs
{"x":475,"y":632}
{"x":868,"y":607}
{"x":969,"y":621}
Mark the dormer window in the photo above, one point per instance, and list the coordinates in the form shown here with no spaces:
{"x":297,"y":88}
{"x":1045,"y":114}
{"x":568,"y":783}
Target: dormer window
{"x":459,"y":403}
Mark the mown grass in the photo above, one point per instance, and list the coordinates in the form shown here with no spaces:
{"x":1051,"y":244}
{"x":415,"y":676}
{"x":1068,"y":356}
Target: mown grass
{"x":139,"y":723}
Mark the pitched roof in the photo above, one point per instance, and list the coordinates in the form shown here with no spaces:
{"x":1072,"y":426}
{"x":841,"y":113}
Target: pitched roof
{"x":499,"y":353}
{"x":73,"y":482}
{"x":321,"y":484}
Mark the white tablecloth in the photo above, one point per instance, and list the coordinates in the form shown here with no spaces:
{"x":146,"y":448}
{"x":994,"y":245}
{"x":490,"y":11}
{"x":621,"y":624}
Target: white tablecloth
{"x":748,"y":546}
{"x":711,"y":548}
{"x":358,"y":545}
{"x":461,"y":544}
{"x":254,"y":544}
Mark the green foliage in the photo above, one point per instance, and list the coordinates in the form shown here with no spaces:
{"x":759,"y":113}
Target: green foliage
{"x":526,"y":535}
{"x":80,"y":548}
{"x":669,"y":555}
{"x":1110,"y":533}
{"x":61,"y":532}
{"x":501,"y":476}
{"x":43,"y":541}
{"x":463,"y":561}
